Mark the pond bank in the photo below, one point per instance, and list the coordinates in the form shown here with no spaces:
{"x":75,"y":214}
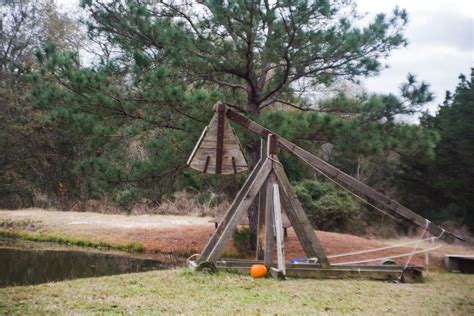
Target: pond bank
{"x":25,"y":262}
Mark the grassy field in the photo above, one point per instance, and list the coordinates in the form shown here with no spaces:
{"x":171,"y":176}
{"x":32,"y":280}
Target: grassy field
{"x":183,"y":291}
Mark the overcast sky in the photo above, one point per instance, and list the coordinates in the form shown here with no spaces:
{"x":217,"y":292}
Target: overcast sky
{"x":441,"y":44}
{"x":440,"y":48}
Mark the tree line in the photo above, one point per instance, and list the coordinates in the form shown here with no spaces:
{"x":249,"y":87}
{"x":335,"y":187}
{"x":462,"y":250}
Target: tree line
{"x":109,"y":107}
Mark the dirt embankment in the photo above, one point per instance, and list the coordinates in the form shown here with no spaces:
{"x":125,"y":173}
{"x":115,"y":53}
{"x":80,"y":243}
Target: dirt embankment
{"x":186,"y":235}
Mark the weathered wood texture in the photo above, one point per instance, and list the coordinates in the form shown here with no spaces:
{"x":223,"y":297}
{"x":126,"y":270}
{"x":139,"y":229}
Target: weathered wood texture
{"x":382,"y":273}
{"x":278,"y":229}
{"x":344,"y":179}
{"x":261,"y":212}
{"x":300,"y":222}
{"x":269,"y":230}
{"x":230,"y":262}
{"x":220,"y":139}
{"x":225,"y":230}
{"x":232,"y":159}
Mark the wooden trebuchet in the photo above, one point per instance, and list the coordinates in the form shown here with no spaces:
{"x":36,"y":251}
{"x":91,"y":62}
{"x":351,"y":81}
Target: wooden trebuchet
{"x":346,"y":180}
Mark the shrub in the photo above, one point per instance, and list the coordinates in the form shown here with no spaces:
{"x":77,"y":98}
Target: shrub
{"x":242,"y":238}
{"x":329,"y":208}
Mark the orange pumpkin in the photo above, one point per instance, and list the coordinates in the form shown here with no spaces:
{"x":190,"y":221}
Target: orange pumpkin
{"x":258,"y":271}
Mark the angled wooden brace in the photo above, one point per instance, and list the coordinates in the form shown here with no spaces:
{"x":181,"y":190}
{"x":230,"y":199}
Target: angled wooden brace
{"x":299,"y":220}
{"x":224,"y":232}
{"x":230,"y":212}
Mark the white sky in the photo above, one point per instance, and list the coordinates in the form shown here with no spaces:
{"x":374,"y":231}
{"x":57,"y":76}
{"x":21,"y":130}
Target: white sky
{"x":441,"y":44}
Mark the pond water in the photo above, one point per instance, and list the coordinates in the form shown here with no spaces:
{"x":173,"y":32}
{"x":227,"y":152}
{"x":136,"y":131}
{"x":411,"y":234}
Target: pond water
{"x":24,"y":262}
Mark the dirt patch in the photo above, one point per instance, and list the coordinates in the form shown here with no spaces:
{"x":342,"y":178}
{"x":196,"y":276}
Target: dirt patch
{"x":186,"y":235}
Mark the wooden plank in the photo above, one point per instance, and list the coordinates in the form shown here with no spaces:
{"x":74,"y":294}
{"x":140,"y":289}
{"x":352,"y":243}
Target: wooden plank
{"x":228,"y":228}
{"x":343,"y":178}
{"x":261,"y":213}
{"x":409,"y":275}
{"x":220,"y":137}
{"x":295,"y":212}
{"x":231,"y":262}
{"x":197,"y":146}
{"x":230,"y":212}
{"x":278,"y":229}
{"x":220,"y":143}
{"x":269,"y":231}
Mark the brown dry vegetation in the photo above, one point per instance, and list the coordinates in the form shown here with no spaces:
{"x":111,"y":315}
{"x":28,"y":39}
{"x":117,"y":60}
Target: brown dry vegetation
{"x":181,"y":236}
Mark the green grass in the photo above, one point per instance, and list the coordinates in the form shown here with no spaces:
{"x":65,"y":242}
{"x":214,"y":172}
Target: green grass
{"x":61,"y":238}
{"x":182,"y":291}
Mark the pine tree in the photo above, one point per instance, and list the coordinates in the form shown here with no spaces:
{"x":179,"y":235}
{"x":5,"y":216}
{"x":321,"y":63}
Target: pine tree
{"x":443,"y":185}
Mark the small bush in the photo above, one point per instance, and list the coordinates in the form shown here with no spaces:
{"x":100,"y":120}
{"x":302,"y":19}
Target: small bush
{"x":329,"y":208}
{"x":242,"y":238}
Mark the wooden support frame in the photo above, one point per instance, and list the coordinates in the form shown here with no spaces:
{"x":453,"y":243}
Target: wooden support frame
{"x":269,"y":182}
{"x":271,"y":173}
{"x":345,"y":180}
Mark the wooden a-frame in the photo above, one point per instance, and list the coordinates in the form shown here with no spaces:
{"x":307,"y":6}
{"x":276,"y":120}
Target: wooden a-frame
{"x":268,"y":178}
{"x":218,"y":151}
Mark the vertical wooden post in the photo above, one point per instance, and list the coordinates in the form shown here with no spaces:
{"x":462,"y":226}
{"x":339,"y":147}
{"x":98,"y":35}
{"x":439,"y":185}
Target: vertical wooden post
{"x":220,"y":137}
{"x":269,"y":232}
{"x":261,"y":212}
{"x":278,"y":230}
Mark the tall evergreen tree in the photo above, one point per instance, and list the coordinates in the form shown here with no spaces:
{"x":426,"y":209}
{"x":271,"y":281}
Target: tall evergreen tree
{"x":443,"y":185}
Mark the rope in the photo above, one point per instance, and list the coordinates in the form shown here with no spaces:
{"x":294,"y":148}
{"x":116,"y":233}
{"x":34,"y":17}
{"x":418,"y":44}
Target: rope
{"x":386,"y":258}
{"x":416,"y":247}
{"x":190,"y":263}
{"x":381,"y":248}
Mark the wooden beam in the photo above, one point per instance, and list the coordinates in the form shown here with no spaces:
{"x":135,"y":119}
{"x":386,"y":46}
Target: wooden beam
{"x":300,"y":222}
{"x":231,"y":262}
{"x":230,"y":212}
{"x":278,"y":231}
{"x":269,"y":231}
{"x":220,"y":137}
{"x":261,"y":212}
{"x":224,"y":234}
{"x":344,"y":179}
{"x":382,"y":273}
